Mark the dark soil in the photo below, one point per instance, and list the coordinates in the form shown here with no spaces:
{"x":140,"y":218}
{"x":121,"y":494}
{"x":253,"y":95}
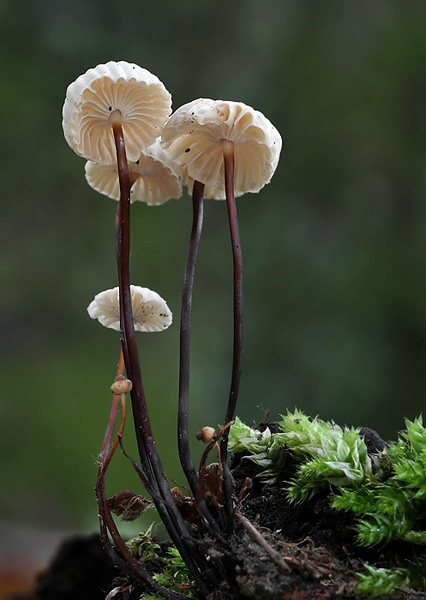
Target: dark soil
{"x":309,"y":552}
{"x":80,"y":570}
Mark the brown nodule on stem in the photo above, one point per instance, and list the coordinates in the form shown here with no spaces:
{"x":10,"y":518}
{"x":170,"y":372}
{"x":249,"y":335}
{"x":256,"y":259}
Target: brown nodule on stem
{"x":206,"y":434}
{"x":121,"y":385}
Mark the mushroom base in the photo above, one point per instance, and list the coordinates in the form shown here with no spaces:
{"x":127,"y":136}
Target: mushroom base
{"x":315,"y":541}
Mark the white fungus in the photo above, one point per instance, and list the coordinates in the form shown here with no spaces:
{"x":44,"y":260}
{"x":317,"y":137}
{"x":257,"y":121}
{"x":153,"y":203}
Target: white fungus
{"x":152,"y":179}
{"x":196,"y":135}
{"x":123,"y":88}
{"x":150,"y":311}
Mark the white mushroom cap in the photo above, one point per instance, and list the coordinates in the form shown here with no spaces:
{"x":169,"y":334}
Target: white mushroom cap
{"x":152,"y":180}
{"x":195,"y":135}
{"x":139,"y":95}
{"x":150,"y":311}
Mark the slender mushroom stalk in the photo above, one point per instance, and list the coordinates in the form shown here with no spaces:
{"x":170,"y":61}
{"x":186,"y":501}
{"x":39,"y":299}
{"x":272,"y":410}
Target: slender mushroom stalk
{"x":122,"y":237}
{"x":102,"y":107}
{"x":145,"y":441}
{"x":228,"y":155}
{"x":232,"y":149}
{"x":185,"y":337}
{"x":120,"y":554}
{"x":147,"y":449}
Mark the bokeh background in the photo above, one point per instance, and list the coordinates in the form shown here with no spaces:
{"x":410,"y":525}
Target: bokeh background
{"x":334,"y":247}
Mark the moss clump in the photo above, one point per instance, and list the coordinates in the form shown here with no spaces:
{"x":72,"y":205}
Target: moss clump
{"x":169,"y":568}
{"x":386,"y":492}
{"x":378,"y":581}
{"x":327,"y":453}
{"x":392,"y":504}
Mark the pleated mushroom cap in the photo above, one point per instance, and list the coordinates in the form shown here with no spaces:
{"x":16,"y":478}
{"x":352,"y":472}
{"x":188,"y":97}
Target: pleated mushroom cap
{"x":194,"y":137}
{"x":141,"y":98}
{"x":150,"y":311}
{"x":152,"y":179}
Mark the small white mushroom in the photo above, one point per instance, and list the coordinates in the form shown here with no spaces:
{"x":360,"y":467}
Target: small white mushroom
{"x":151,"y":177}
{"x":120,"y":90}
{"x":199,"y":133}
{"x":150,"y":311}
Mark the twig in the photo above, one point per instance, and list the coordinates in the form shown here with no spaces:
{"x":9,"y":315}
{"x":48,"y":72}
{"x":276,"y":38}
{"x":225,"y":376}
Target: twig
{"x":259,"y":539}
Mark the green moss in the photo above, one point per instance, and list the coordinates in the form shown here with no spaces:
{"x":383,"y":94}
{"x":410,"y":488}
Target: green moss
{"x":175,"y":574}
{"x":385,"y":493}
{"x":378,"y":582}
{"x":328,"y":454}
{"x":392,"y":505}
{"x":170,"y":570}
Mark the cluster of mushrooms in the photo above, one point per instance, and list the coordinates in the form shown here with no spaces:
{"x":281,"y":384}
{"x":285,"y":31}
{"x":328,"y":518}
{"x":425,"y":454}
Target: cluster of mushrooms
{"x":118,"y":117}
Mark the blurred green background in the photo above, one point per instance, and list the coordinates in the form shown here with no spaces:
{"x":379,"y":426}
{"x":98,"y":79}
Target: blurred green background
{"x":334,"y":247}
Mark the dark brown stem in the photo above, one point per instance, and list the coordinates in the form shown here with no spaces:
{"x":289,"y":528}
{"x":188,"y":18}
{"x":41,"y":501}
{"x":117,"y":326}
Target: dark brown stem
{"x":150,"y":461}
{"x":119,"y":554}
{"x":184,"y":367}
{"x":128,"y":339}
{"x":238,"y":283}
{"x":228,"y":154}
{"x":104,"y":461}
{"x":185,"y":337}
